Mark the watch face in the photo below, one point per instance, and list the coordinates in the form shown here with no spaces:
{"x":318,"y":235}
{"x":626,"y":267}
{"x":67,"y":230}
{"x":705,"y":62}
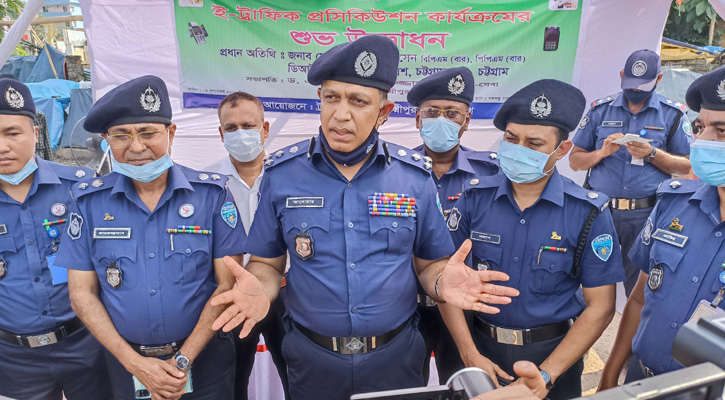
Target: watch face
{"x":182,"y":362}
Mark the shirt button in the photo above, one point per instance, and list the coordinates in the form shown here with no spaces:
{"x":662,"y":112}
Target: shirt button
{"x":694,"y":279}
{"x":552,"y":266}
{"x":152,"y":255}
{"x":37,"y":279}
{"x":395,"y":224}
{"x":352,"y":266}
{"x":522,"y":221}
{"x":303,"y":225}
{"x":44,"y":313}
{"x":151,"y":218}
{"x":626,"y":187}
{"x":188,"y":251}
{"x":30,"y":242}
{"x":24,"y":207}
{"x":349,"y":185}
{"x":152,"y":292}
{"x":673,"y":325}
{"x":718,"y":234}
{"x":439,"y":186}
{"x":350,"y":225}
{"x":635,"y":117}
{"x":354,"y":310}
{"x":516,"y":259}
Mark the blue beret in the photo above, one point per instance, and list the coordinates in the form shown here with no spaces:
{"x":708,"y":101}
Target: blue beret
{"x":370,"y":61}
{"x":16,"y":99}
{"x":450,"y":84}
{"x":546,"y":102}
{"x":143,"y":99}
{"x":641,"y":70}
{"x":707,"y":91}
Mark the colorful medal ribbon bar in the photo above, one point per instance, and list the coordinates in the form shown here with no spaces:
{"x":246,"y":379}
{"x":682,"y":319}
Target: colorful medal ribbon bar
{"x":47,"y":223}
{"x":550,"y":248}
{"x":654,"y":128}
{"x":391,"y":205}
{"x":454,"y":198}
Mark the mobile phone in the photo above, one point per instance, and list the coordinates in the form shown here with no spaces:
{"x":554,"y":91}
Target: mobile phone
{"x":141,"y":392}
{"x":551,"y":38}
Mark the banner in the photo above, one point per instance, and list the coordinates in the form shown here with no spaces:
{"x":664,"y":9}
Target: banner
{"x":266,"y":48}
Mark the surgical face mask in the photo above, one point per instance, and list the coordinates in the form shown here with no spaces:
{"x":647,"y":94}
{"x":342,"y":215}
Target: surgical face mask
{"x":146,"y":172}
{"x":16,"y":178}
{"x":637,"y":97}
{"x":708,"y":161}
{"x":439,"y":134}
{"x":244,"y":144}
{"x":521,"y":164}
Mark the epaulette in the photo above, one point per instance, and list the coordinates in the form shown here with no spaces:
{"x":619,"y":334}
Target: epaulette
{"x":487,"y":156}
{"x":90,"y":185}
{"x":679,"y":186}
{"x":597,"y":199}
{"x":209,"y":178}
{"x":682,"y":107}
{"x":604,"y":100}
{"x":71,"y":173}
{"x":287,"y":153}
{"x":483,"y":182}
{"x":408,"y":156}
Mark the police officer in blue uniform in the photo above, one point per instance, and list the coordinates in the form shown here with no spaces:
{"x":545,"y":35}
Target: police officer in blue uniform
{"x":144,"y":248}
{"x":680,"y":250}
{"x":354,"y":212}
{"x":630,"y":174}
{"x":45,"y":351}
{"x":443,"y":114}
{"x":551,"y":236}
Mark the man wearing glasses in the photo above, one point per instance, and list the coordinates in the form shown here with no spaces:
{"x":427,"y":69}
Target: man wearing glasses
{"x":443,"y":100}
{"x":144,"y":248}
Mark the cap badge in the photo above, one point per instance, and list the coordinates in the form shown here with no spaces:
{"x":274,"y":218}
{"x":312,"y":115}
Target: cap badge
{"x":150,"y":101}
{"x":14,"y":98}
{"x":365,"y":64}
{"x":721,"y":90}
{"x":639,"y":68}
{"x":456,"y":85}
{"x":540,"y":107}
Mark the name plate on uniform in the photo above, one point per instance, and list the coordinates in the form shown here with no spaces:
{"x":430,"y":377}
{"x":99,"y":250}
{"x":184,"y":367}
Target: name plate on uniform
{"x":612,"y":124}
{"x":486,"y":237}
{"x":312,"y":202}
{"x":670,"y":237}
{"x":112,"y":233}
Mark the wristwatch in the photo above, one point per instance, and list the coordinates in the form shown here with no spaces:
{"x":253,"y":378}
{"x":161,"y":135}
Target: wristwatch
{"x":547,"y":379}
{"x":651,"y":155}
{"x":182,"y":362}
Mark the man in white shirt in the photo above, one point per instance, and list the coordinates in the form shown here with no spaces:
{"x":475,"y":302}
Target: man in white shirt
{"x":243,"y":131}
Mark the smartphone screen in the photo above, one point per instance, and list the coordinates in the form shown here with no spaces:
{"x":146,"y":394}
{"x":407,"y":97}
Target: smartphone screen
{"x":551,"y":38}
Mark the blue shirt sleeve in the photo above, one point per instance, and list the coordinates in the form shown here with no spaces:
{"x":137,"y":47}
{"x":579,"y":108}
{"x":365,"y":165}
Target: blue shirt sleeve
{"x":265,"y":235}
{"x":640,"y":251}
{"x":680,"y":143}
{"x":597,"y":269}
{"x":227,"y":240}
{"x":586,"y":136}
{"x":74,"y":251}
{"x":432,"y":240}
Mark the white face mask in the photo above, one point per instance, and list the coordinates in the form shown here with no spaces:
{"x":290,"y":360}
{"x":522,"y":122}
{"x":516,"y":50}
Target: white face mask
{"x":244,"y":144}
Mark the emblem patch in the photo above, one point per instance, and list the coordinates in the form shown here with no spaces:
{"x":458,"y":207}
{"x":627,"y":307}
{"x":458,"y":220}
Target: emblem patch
{"x":675,"y":225}
{"x":454,"y":218}
{"x":687,"y":128}
{"x":304,"y":245}
{"x":540,"y":107}
{"x":602,"y":246}
{"x":229,"y":214}
{"x":74,"y":226}
{"x":114,"y":276}
{"x":480,"y":265}
{"x":150,"y":101}
{"x":304,"y":202}
{"x":3,"y":268}
{"x":366,"y":64}
{"x":58,"y":209}
{"x":456,"y":85}
{"x":584,"y":122}
{"x":721,"y":90}
{"x":612,"y":124}
{"x":14,"y":98}
{"x":670,"y":237}
{"x":655,"y":277}
{"x":646,"y":235}
{"x":186,"y":210}
{"x":486,"y":237}
{"x":111,"y":233}
{"x":639,"y":68}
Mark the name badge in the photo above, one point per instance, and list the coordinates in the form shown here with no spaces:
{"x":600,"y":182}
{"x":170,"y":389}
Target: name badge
{"x":669,"y":237}
{"x":300,"y":202}
{"x":485,"y":237}
{"x":612,"y":124}
{"x":112,"y":233}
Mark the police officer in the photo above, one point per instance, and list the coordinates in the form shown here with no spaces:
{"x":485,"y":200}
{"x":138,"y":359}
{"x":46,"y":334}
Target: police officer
{"x":45,"y":351}
{"x":549,"y":235}
{"x":630,"y":174}
{"x":680,"y":250}
{"x":354,"y":212}
{"x":443,"y":114}
{"x":243,"y":131}
{"x":144,"y":248}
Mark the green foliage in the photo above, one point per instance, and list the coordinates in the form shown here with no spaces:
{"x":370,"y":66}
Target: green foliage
{"x":10,"y":8}
{"x":690,"y":22}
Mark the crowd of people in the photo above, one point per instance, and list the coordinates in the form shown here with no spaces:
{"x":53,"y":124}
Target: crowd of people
{"x":355,"y":257}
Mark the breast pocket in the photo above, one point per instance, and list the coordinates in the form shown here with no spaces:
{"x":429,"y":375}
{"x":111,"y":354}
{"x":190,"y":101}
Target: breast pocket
{"x":391,"y":238}
{"x":7,"y":246}
{"x":190,"y":260}
{"x":551,"y":273}
{"x":664,"y":261}
{"x":123,"y":252}
{"x":486,"y":257}
{"x":304,"y":228}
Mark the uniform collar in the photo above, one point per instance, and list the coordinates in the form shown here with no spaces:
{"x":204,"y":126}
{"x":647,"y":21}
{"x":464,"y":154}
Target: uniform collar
{"x":45,"y":175}
{"x":652,"y":102}
{"x":378,"y":152}
{"x":226,"y":167}
{"x":175,"y":180}
{"x":709,"y":200}
{"x":461,"y":161}
{"x":553,"y":191}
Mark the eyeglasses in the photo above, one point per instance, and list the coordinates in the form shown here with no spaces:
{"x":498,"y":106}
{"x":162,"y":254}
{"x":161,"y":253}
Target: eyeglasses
{"x":124,"y":139}
{"x":432,"y":112}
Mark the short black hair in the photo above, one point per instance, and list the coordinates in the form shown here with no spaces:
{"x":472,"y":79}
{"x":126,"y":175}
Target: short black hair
{"x":232,"y":100}
{"x":562,"y":134}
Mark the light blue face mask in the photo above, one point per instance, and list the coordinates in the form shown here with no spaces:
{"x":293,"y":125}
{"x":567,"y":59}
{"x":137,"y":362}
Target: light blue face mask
{"x":243,"y":144}
{"x":146,"y":172}
{"x":16,"y":178}
{"x":439,"y":134}
{"x":708,"y":161}
{"x":521,"y":164}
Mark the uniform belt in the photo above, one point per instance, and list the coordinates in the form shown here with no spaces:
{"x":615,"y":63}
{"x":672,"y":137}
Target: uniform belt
{"x":157,"y":351}
{"x":353,"y":344}
{"x":648,"y":372}
{"x":520,"y":337}
{"x":425,"y":300}
{"x":54,"y":336}
{"x":633,"y":204}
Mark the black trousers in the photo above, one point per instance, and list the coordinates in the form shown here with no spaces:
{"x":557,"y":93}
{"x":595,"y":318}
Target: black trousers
{"x":439,"y":341}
